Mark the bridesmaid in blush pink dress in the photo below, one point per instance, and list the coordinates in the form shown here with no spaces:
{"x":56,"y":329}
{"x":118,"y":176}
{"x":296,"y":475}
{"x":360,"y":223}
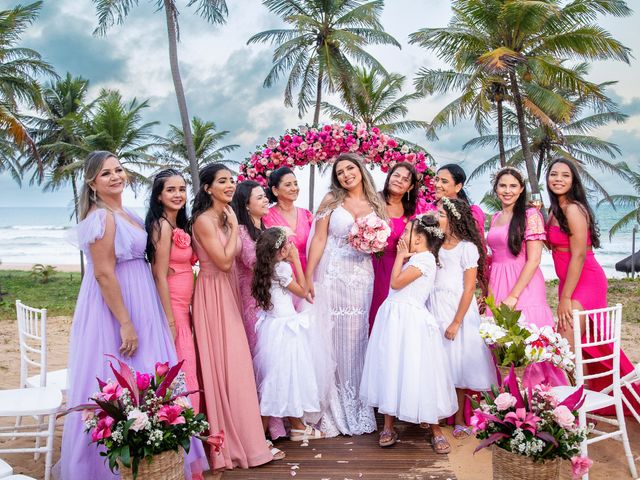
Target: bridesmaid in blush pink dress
{"x":230,"y":394}
{"x":572,"y":234}
{"x":400,"y":196}
{"x":170,"y":254}
{"x":283,"y":191}
{"x":250,"y":204}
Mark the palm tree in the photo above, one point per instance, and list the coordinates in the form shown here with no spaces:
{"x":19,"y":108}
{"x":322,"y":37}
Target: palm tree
{"x":213,"y":11}
{"x":327,"y":37}
{"x":626,"y":201}
{"x":526,"y":43}
{"x":375,"y":100}
{"x":20,"y":69}
{"x":206,"y":138}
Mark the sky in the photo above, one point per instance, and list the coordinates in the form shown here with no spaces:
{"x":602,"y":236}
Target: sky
{"x":223,"y":78}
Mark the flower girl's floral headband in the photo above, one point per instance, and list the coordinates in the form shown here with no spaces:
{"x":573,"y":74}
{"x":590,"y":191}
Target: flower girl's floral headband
{"x":448,"y":204}
{"x":282,"y":236}
{"x":435,"y":231}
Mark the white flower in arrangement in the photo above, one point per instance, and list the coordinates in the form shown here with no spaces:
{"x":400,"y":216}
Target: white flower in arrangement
{"x":491,"y":332}
{"x":140,"y":420}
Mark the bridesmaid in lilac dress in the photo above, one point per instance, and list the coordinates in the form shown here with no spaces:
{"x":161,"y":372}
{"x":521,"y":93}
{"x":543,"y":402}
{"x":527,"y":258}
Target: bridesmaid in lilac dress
{"x":400,"y":195}
{"x":283,"y":191}
{"x":118,"y":312}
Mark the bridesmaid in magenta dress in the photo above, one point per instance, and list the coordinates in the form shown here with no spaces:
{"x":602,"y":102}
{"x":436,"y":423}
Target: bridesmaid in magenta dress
{"x":283,"y":191}
{"x":228,"y":381}
{"x":118,"y":312}
{"x":400,"y":195}
{"x":171,"y":256}
{"x":250,"y":204}
{"x":572,"y":234}
{"x":449,"y":182}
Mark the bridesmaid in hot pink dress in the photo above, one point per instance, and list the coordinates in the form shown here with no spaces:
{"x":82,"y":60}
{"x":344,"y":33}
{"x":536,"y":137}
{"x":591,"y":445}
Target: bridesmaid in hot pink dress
{"x":516,"y":239}
{"x":573,"y":234}
{"x":400,"y":196}
{"x":170,"y":254}
{"x":449,"y":182}
{"x":283,"y":191}
{"x":250,"y":204}
{"x":228,"y":381}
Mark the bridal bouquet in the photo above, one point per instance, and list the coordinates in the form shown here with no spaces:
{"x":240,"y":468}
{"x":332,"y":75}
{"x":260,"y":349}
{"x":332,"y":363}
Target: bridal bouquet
{"x":370,"y":234}
{"x":532,"y":423}
{"x":141,"y":415}
{"x":515,"y":343}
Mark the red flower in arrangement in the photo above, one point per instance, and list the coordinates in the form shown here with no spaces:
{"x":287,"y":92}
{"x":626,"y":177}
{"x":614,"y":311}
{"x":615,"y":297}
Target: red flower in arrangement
{"x":171,"y":414}
{"x":143,"y":380}
{"x":308,"y":145}
{"x":181,"y":239}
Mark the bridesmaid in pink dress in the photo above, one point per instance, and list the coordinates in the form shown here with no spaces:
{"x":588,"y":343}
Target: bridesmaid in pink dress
{"x":573,"y":234}
{"x":230,"y":395}
{"x":250,"y":204}
{"x":449,"y":182}
{"x":400,"y":196}
{"x":283,"y":191}
{"x":170,"y":254}
{"x":516,"y":239}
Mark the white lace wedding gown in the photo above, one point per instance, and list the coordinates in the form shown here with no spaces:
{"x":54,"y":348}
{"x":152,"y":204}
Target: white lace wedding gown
{"x":343,"y":283}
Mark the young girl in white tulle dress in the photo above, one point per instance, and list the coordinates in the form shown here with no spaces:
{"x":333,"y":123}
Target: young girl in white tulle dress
{"x":406,"y":372}
{"x":287,"y":385}
{"x":454,"y":305}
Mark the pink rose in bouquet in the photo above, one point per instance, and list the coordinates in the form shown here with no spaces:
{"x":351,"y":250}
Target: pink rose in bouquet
{"x":369,"y":234}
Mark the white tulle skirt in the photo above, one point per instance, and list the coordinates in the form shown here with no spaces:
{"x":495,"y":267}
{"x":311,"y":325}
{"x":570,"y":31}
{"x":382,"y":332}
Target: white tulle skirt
{"x":406,"y":372}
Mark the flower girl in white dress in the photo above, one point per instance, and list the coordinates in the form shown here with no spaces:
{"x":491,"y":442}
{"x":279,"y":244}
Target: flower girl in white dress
{"x":406,"y":372}
{"x":454,"y":305}
{"x":287,"y":385}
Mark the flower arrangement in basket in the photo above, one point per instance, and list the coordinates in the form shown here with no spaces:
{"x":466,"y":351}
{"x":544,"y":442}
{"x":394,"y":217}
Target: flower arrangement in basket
{"x":141,"y":415}
{"x":369,"y":234}
{"x":531,"y":423}
{"x":515,"y":343}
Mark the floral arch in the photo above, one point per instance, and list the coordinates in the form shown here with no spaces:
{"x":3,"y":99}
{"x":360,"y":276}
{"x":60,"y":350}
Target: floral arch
{"x":320,"y":146}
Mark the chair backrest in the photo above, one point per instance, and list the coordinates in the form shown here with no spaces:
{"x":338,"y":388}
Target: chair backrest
{"x":32,"y":334}
{"x":602,"y":335}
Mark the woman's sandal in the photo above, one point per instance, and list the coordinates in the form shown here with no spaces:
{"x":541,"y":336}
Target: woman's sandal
{"x":440,"y":444}
{"x":388,"y":438}
{"x":461,"y":432}
{"x":309,"y":433}
{"x":276,"y":453}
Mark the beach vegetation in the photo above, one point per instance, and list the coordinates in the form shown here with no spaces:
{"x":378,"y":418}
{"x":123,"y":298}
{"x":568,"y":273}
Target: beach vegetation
{"x":629,"y":202}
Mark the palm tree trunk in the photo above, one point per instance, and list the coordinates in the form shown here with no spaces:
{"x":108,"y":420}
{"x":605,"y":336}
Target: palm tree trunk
{"x":503,"y":156}
{"x":540,"y":162}
{"x":522,"y":128}
{"x":74,"y":186}
{"x":316,"y":120}
{"x":182,"y":101}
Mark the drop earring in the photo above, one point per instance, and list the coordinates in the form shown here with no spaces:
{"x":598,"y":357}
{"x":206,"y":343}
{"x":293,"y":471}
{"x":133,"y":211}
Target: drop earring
{"x":94,"y":196}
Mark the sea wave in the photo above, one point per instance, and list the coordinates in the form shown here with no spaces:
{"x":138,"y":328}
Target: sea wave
{"x":34,"y":227}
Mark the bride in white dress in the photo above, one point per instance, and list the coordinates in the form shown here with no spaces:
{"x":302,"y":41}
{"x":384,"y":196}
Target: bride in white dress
{"x":341,"y":282}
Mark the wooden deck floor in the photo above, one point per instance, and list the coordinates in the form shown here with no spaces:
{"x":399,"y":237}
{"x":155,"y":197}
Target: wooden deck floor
{"x":354,"y":458}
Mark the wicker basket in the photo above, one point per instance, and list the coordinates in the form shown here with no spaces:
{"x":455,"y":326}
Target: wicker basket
{"x":167,"y":465}
{"x":519,"y":371}
{"x":509,"y":466}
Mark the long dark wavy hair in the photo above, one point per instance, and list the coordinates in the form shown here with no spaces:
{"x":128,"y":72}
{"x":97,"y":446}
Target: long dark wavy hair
{"x":518,"y":222}
{"x":466,"y":228}
{"x":203,"y":201}
{"x":424,"y":225}
{"x":240,"y":204}
{"x":459,"y":177}
{"x":410,"y":199}
{"x":264,"y":268}
{"x":577,"y":195}
{"x":156,"y":211}
{"x":274,"y":181}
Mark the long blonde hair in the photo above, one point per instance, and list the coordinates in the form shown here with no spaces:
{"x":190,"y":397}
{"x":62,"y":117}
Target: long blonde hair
{"x":92,"y":166}
{"x":368,"y":187}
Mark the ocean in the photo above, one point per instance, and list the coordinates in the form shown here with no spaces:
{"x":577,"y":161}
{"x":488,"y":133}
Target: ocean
{"x":30,"y":235}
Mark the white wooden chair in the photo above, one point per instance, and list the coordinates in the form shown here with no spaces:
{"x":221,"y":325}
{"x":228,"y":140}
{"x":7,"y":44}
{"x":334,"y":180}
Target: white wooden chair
{"x":39,"y":402}
{"x":626,"y":384}
{"x":32,"y":335}
{"x":602,"y":327}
